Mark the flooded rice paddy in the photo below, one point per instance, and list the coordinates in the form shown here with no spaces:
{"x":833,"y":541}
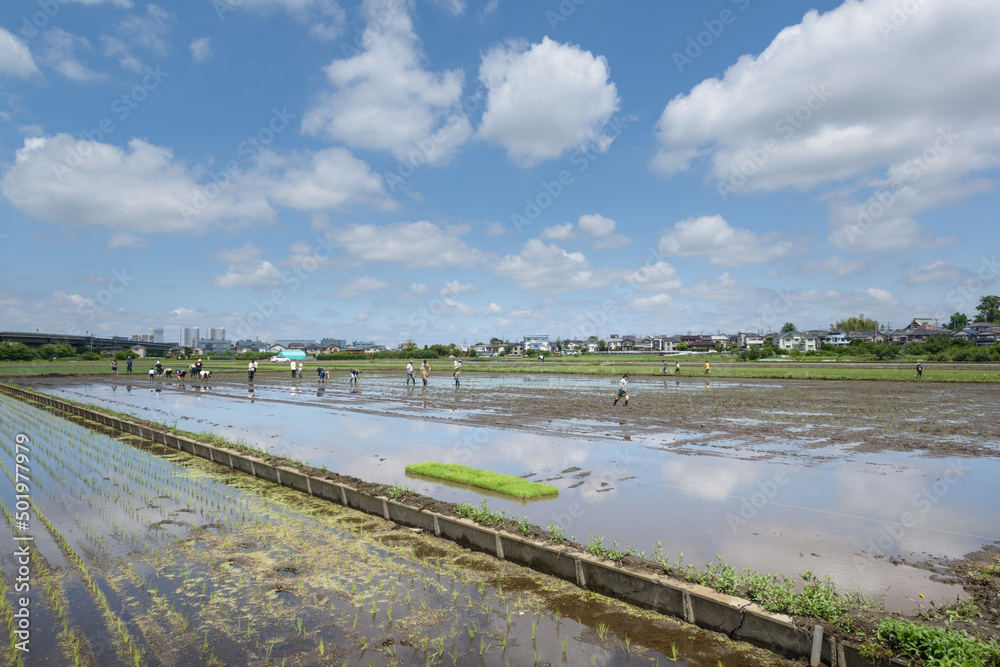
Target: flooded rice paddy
{"x":794,"y":500}
{"x":145,"y":555}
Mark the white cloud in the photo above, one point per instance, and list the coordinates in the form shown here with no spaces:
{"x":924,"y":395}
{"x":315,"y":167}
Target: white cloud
{"x":201,"y":49}
{"x":59,"y":52}
{"x":309,"y":257}
{"x":360,"y":287}
{"x":141,"y":188}
{"x":835,"y":265}
{"x":722,"y":288}
{"x":603,"y":228}
{"x":127,"y":240}
{"x":872,"y":300}
{"x":558,"y":232}
{"x":385,"y":100}
{"x":541,"y":267}
{"x":656,"y":302}
{"x":15,"y":58}
{"x":329,"y":178}
{"x":596,"y":225}
{"x":497,"y":229}
{"x":658,"y":277}
{"x":721,"y":243}
{"x":419,"y":244}
{"x":247,"y":268}
{"x":139,"y":32}
{"x":455,"y":7}
{"x":593,"y":225}
{"x":493,"y":309}
{"x":545,"y":99}
{"x":938,"y":271}
{"x":456,"y":288}
{"x":325,"y":18}
{"x":811,"y":110}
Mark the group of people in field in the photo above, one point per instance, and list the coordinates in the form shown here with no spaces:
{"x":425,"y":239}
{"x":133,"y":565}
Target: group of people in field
{"x":195,"y":371}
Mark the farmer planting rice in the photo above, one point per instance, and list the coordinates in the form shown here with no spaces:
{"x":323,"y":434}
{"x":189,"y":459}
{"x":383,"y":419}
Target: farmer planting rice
{"x":622,"y":390}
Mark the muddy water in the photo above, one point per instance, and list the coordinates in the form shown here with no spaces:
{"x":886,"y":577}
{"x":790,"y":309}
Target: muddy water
{"x":776,"y":506}
{"x":163,"y":558}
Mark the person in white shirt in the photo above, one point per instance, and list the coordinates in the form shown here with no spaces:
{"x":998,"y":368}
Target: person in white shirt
{"x":250,"y":372}
{"x":457,"y":370}
{"x":622,"y":390}
{"x":292,"y":362}
{"x":409,"y":374}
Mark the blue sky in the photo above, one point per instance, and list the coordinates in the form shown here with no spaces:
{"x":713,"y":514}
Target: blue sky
{"x":454,"y":170}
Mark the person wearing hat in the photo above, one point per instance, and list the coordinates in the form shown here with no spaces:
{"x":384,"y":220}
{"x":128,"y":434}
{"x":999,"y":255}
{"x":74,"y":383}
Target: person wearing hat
{"x":409,"y":374}
{"x":622,"y":390}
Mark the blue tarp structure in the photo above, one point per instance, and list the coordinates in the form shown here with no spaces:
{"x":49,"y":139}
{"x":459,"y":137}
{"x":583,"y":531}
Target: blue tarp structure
{"x":292,"y":354}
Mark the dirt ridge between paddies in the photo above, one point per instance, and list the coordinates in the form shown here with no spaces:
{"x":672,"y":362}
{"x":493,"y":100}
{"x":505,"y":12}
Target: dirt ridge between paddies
{"x":483,"y":479}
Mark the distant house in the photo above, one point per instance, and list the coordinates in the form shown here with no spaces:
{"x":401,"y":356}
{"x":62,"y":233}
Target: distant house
{"x":919,"y":322}
{"x":276,"y":348}
{"x":921,"y":333}
{"x":798,"y":340}
{"x":483,"y":349}
{"x":139,"y":350}
{"x":988,"y":337}
{"x":838,"y":338}
{"x":313,"y":349}
{"x":749,"y":341}
{"x":296,"y":346}
{"x":965,"y":334}
{"x":869,"y":336}
{"x":538,"y":343}
{"x":515,"y":349}
{"x":330,"y":349}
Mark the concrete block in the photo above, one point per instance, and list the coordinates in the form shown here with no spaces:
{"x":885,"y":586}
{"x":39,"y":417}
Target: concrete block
{"x":776,"y":632}
{"x":202,"y":450}
{"x":468,"y":534}
{"x":266,"y":471}
{"x":243,"y":464}
{"x":716,"y":611}
{"x":363,"y":501}
{"x":325,"y":489}
{"x":638,"y":589}
{"x":410,"y":516}
{"x":551,"y":560}
{"x":293,"y":479}
{"x":186,"y":444}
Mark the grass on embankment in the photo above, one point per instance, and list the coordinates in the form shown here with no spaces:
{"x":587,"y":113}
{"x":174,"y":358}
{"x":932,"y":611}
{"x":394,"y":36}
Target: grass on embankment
{"x":483,"y":479}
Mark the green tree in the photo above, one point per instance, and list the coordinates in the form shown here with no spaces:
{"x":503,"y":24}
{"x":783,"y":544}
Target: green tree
{"x":958,"y":321}
{"x":988,"y":309}
{"x":496,"y":341}
{"x":602,"y":346}
{"x":788,"y":327}
{"x":16,"y":352}
{"x":858,"y":323}
{"x":64,"y":350}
